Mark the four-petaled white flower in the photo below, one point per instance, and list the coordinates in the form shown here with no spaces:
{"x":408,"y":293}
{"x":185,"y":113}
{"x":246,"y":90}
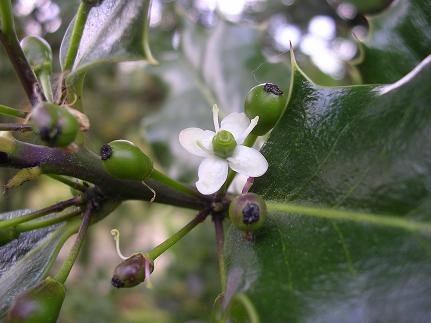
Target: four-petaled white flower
{"x":231,"y":133}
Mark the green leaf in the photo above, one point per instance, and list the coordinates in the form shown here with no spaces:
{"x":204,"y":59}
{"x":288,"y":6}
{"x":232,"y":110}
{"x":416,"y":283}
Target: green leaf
{"x":216,"y":65}
{"x":363,"y":150}
{"x":400,"y":37}
{"x":367,"y":6}
{"x":115,"y":31}
{"x":26,"y":260}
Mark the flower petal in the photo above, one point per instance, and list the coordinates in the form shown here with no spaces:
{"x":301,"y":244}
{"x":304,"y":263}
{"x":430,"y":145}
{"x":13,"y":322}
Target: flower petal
{"x":190,"y":137}
{"x":212,"y":175}
{"x":248,"y":161}
{"x":236,"y":123}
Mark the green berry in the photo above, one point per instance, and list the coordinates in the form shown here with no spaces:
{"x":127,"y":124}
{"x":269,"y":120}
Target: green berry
{"x":40,"y":304}
{"x":55,"y":125}
{"x":248,"y":212}
{"x":131,"y":271}
{"x":224,"y":144}
{"x":38,"y":53}
{"x":123,"y":159}
{"x":267,"y":102}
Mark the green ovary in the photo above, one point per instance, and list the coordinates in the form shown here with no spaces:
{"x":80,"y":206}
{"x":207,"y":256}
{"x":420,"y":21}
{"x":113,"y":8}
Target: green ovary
{"x":224,"y":144}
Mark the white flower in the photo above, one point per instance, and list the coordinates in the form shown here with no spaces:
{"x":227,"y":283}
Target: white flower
{"x":213,"y":170}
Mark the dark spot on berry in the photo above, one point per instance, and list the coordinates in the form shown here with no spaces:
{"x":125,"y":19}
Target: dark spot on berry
{"x":272,"y":88}
{"x":251,"y":213}
{"x":116,"y":282}
{"x":45,"y":133}
{"x":106,"y":152}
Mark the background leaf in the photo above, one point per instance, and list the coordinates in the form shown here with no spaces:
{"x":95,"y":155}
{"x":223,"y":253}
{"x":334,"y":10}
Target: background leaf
{"x":115,"y":31}
{"x":362,"y":148}
{"x":399,"y":38}
{"x":25,"y":261}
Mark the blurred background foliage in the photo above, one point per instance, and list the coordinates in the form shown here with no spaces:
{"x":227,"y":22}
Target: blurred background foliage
{"x":210,"y":51}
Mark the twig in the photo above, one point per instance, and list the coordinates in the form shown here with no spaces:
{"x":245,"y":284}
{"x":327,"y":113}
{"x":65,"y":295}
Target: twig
{"x":15,"y":127}
{"x":219,"y":232}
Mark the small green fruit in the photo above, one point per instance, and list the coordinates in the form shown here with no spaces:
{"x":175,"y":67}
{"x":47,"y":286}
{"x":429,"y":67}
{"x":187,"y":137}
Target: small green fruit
{"x":55,"y":125}
{"x":131,"y":271}
{"x":248,"y":212}
{"x":123,"y":159}
{"x":40,"y":304}
{"x":267,"y":102}
{"x":38,"y":53}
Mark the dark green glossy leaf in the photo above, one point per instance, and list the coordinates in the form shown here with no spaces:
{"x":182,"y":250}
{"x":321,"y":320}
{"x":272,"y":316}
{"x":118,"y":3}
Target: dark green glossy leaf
{"x":26,"y":260}
{"x":399,"y":38}
{"x":216,"y":65}
{"x":362,"y":148}
{"x":115,"y":31}
{"x":367,"y":6}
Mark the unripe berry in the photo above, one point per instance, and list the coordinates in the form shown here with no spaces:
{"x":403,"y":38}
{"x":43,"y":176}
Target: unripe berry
{"x":38,"y":53}
{"x":123,"y":159}
{"x":267,"y":102}
{"x":55,"y":125}
{"x":131,"y":271}
{"x":248,"y":212}
{"x":40,"y":304}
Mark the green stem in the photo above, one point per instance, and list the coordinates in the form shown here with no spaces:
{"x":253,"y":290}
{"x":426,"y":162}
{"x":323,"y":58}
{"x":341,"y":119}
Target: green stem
{"x":65,"y":269}
{"x":15,"y":127}
{"x":60,"y":206}
{"x":8,"y":111}
{"x":45,"y":82}
{"x":65,"y":232}
{"x":67,"y":181}
{"x":218,"y":225}
{"x":168,"y":243}
{"x":162,"y":178}
{"x":346,"y":215}
{"x":7,"y":24}
{"x":28,"y":226}
{"x":78,"y":29}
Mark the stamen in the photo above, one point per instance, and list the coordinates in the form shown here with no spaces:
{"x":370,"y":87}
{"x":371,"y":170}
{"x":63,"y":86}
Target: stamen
{"x":216,"y":111}
{"x":249,"y":129}
{"x":201,"y":146}
{"x":116,"y":234}
{"x":152,"y":190}
{"x":148,"y":271}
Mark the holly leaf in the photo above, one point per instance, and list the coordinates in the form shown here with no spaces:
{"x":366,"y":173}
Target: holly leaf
{"x":348,"y":234}
{"x":399,"y":38}
{"x":27,"y":259}
{"x":212,"y":66}
{"x":115,"y":31}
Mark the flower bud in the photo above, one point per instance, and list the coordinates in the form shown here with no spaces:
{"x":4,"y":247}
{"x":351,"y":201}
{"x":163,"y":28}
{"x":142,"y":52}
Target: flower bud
{"x":40,"y":304}
{"x":123,"y":159}
{"x":248,"y":212}
{"x":267,"y":102}
{"x":132,"y":271}
{"x":7,"y":235}
{"x":38,"y":53}
{"x":55,"y":124}
{"x":224,"y":144}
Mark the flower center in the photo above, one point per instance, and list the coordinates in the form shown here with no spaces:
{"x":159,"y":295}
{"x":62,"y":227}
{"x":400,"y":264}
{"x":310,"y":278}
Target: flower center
{"x":224,"y":144}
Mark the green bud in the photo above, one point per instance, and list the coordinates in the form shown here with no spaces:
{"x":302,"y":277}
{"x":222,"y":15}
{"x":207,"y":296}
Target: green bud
{"x":267,"y":102}
{"x":38,"y":53}
{"x":123,"y":159}
{"x":7,"y":235}
{"x":248,"y":212}
{"x":131,"y":271}
{"x":55,"y":124}
{"x":40,"y":304}
{"x":224,"y":144}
